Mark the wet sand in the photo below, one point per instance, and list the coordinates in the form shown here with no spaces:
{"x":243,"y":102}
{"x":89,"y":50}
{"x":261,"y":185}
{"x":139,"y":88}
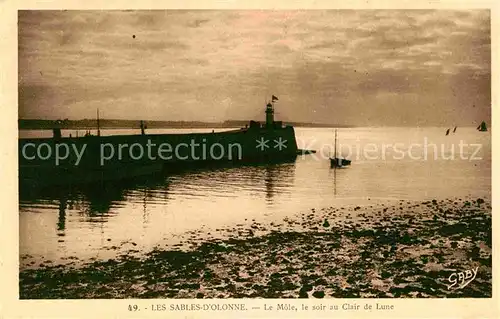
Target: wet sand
{"x":406,"y":249}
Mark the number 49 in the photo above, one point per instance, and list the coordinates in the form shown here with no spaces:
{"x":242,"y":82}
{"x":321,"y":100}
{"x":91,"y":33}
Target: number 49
{"x":133,"y":307}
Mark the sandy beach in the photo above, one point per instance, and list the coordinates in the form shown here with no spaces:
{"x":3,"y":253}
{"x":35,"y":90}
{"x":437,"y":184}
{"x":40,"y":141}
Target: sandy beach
{"x":405,"y":249}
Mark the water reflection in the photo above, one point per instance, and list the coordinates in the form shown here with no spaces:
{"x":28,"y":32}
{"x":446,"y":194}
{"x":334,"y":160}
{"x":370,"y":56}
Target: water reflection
{"x":334,"y":182}
{"x":101,"y":198}
{"x":61,"y":223}
{"x":278,"y":178}
{"x":100,"y":202}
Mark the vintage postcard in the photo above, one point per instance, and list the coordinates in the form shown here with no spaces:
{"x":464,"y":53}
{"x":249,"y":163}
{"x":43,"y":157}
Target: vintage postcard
{"x":250,"y":160}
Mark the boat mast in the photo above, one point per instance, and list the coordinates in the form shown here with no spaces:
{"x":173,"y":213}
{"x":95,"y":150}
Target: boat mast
{"x":335,"y":149}
{"x":98,"y":128}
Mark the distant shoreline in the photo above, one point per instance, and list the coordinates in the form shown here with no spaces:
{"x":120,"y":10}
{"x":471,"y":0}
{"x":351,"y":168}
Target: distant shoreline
{"x":110,"y":124}
{"x":218,"y":126}
{"x":37,"y":124}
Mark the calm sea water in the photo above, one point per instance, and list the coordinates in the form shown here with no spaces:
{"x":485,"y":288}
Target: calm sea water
{"x":388,"y":164}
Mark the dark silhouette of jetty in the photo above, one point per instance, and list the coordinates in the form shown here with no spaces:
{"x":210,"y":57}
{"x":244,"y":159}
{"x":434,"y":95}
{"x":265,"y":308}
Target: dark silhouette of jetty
{"x":256,"y":143}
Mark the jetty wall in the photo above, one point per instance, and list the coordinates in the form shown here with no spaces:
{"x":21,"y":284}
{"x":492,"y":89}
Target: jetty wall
{"x":91,"y":152}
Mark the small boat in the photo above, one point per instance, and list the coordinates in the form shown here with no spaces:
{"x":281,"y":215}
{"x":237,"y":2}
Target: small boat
{"x":337,"y":161}
{"x":482,"y":127}
{"x":455,"y":129}
{"x":305,"y":152}
{"x":447,"y":131}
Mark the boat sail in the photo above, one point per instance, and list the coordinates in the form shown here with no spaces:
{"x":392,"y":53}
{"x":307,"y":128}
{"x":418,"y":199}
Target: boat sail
{"x":482,"y":127}
{"x":337,"y":161}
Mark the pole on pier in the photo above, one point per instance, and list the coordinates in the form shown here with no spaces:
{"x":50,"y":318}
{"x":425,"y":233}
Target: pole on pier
{"x":98,"y":128}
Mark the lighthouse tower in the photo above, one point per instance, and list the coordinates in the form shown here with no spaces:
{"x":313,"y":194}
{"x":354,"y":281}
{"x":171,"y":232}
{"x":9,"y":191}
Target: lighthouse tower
{"x":269,"y":115}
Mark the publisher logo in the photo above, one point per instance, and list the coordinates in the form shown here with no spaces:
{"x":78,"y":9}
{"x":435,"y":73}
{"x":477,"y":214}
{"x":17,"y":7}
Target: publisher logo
{"x":459,"y":280}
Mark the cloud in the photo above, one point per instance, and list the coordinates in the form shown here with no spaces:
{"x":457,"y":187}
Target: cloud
{"x":207,"y":64}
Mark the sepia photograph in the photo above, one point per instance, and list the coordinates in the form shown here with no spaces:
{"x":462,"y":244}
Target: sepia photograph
{"x":254,"y":154}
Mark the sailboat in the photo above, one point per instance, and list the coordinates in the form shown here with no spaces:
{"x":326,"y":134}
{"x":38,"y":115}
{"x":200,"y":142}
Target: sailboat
{"x":337,"y":161}
{"x":482,"y":127}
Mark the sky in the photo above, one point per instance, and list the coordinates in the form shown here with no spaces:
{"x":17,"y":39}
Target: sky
{"x":349,"y":67}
